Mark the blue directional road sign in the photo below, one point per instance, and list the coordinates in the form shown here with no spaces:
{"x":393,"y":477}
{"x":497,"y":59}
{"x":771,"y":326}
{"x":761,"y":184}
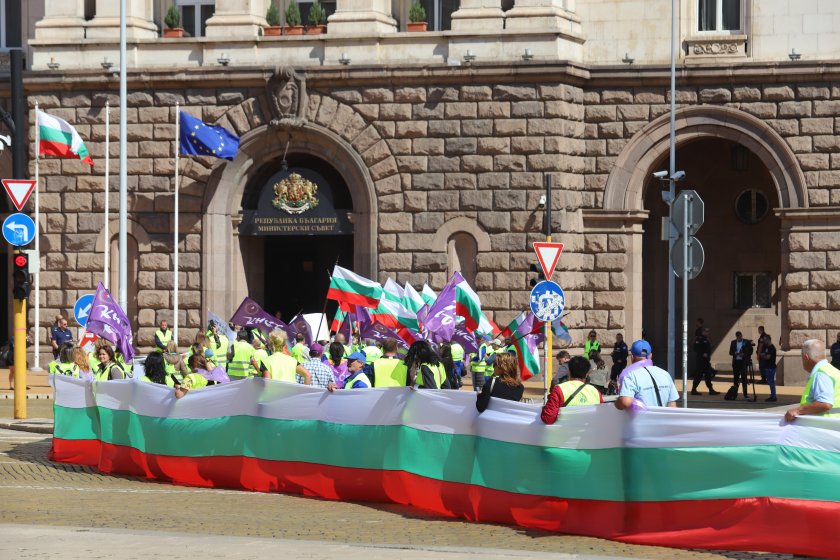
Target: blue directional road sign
{"x":81,"y":311}
{"x":19,"y":229}
{"x":547,"y":301}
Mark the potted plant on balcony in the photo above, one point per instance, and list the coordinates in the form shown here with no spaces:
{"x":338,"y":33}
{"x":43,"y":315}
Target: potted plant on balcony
{"x":293,"y":26}
{"x":417,"y":17}
{"x":172,"y":19}
{"x":317,"y":19}
{"x":272,"y":18}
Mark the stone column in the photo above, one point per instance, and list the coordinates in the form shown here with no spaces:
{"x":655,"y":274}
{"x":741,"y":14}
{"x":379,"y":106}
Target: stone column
{"x":63,"y":19}
{"x":139,"y":20}
{"x":478,"y":15}
{"x":362,"y":17}
{"x":540,"y":15}
{"x":239,"y":18}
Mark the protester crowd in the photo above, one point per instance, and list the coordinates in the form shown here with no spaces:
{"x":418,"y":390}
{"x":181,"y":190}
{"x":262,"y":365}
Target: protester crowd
{"x":337,"y":364}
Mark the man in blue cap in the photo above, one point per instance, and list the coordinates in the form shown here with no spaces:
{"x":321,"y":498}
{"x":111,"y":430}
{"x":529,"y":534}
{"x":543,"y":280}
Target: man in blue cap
{"x":643,"y":381}
{"x":357,"y":378}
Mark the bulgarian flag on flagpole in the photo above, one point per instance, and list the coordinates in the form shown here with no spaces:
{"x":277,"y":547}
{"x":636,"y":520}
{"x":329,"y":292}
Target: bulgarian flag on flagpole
{"x":348,"y":288}
{"x":412,"y":301}
{"x":337,"y":320}
{"x":468,"y":306}
{"x":58,"y":138}
{"x":394,"y":315}
{"x":523,"y":320}
{"x":527,"y":356}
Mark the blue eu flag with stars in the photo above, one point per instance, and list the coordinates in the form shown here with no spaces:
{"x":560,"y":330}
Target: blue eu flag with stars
{"x":200,"y":139}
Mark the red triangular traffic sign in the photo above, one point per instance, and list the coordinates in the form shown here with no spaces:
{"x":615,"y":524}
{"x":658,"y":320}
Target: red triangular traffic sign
{"x":19,"y":190}
{"x":548,"y":254}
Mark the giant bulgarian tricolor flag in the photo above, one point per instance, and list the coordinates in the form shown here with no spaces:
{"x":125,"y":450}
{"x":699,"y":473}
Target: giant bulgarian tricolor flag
{"x":349,"y":289}
{"x":686,"y":478}
{"x":57,"y":138}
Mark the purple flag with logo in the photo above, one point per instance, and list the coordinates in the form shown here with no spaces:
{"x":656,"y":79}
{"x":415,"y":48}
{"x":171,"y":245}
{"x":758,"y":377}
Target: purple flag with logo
{"x":440,"y":319}
{"x":251,"y":315}
{"x":379,"y":333}
{"x":108,"y":320}
{"x":299,"y":325}
{"x":465,"y":338}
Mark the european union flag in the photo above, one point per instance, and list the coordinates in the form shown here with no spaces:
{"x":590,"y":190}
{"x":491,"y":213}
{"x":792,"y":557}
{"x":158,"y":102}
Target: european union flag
{"x":200,"y":139}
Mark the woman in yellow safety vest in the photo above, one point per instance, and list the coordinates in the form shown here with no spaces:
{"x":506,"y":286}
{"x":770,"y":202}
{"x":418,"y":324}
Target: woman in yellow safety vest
{"x":425,"y":370}
{"x":64,"y":364}
{"x":108,"y":368}
{"x":281,"y":366}
{"x":155,"y":367}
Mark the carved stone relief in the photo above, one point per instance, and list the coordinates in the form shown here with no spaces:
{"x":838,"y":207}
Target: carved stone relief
{"x":286,"y":91}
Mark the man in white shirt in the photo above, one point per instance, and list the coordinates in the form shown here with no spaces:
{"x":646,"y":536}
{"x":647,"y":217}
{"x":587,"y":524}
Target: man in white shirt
{"x":644,"y":381}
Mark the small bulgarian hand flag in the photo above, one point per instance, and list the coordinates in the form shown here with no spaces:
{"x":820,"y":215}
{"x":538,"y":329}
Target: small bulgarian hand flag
{"x":58,"y":138}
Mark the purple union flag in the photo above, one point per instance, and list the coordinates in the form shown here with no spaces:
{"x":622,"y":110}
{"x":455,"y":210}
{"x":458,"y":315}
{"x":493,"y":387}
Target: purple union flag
{"x":108,"y":320}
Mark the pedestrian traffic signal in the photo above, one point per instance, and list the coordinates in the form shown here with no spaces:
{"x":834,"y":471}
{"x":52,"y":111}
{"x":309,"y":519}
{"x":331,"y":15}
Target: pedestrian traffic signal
{"x":540,"y":276}
{"x":20,"y":276}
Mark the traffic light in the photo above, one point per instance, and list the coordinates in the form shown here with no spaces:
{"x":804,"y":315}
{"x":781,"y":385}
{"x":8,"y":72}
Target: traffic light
{"x":20,"y":276}
{"x":540,"y":276}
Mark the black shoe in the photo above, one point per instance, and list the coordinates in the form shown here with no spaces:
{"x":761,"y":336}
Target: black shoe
{"x":770,"y":399}
{"x":713,"y":392}
{"x":693,"y":392}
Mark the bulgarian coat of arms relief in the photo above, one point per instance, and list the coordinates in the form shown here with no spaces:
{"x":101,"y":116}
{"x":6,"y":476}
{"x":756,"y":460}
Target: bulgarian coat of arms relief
{"x":295,"y":194}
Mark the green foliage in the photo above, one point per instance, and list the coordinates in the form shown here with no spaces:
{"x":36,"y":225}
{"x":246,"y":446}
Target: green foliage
{"x":293,"y":14}
{"x":317,"y":14}
{"x":417,"y":12}
{"x":172,"y":19}
{"x":272,"y":15}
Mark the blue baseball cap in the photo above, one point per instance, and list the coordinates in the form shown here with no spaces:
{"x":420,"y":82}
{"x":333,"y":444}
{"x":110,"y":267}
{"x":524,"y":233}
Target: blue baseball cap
{"x":641,"y":348}
{"x":360,"y":356}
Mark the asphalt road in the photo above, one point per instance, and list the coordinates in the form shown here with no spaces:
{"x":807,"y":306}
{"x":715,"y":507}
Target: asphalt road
{"x":53,"y":510}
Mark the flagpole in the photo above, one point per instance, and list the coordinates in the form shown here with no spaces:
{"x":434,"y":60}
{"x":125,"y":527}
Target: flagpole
{"x":175,"y":280}
{"x":107,"y":188}
{"x":123,"y":239}
{"x":37,"y":244}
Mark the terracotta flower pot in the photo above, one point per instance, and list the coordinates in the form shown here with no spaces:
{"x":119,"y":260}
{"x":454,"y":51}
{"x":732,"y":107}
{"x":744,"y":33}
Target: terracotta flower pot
{"x":173,"y":33}
{"x":417,"y":26}
{"x":293,"y":30}
{"x":316,"y":29}
{"x":272,"y":30}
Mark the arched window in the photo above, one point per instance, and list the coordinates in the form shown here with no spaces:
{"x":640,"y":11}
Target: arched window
{"x":461,"y":251}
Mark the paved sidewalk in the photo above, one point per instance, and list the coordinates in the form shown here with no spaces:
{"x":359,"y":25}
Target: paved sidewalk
{"x":33,"y":541}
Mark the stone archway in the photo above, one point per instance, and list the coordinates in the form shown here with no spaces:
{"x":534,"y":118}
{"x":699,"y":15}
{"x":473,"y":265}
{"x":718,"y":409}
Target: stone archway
{"x":624,"y":211}
{"x":224,"y":281}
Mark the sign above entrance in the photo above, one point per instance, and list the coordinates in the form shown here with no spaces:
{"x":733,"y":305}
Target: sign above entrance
{"x":298,"y":201}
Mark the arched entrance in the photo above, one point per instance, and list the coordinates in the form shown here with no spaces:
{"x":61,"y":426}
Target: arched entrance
{"x":290,"y":251}
{"x":234,"y":264}
{"x":631,"y":197}
{"x":739,"y":286}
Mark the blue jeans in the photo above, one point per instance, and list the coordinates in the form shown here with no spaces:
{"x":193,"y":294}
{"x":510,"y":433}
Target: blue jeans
{"x":770,"y":376}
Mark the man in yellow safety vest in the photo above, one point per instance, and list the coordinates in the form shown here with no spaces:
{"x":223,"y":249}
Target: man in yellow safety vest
{"x":822,"y":392}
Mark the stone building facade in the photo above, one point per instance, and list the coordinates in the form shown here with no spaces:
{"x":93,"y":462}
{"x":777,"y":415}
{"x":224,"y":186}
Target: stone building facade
{"x":437,"y":157}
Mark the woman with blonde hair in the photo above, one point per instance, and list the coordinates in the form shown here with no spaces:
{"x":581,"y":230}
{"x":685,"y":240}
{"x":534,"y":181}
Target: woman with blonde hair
{"x":80,"y":358}
{"x":504,"y":384}
{"x":280,"y":365}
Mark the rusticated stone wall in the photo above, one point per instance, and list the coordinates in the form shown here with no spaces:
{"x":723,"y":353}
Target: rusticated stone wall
{"x":436,"y":153}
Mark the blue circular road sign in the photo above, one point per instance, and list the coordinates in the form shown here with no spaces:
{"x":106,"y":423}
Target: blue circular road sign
{"x":547,"y":301}
{"x":81,"y":311}
{"x":19,"y":229}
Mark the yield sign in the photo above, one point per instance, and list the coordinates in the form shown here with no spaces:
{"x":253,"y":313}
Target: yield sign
{"x":19,"y":190}
{"x":548,"y":254}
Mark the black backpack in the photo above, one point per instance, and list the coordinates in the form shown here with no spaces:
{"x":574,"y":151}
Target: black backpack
{"x":732,"y":393}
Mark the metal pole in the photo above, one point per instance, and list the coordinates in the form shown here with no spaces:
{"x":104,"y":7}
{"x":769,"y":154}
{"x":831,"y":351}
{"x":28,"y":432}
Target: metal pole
{"x":686,"y":243}
{"x":549,"y":340}
{"x":37,"y":245}
{"x":672,"y":190}
{"x":20,"y":358}
{"x":123,"y":242}
{"x":18,"y":116}
{"x":175,"y":280}
{"x":105,"y":281}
